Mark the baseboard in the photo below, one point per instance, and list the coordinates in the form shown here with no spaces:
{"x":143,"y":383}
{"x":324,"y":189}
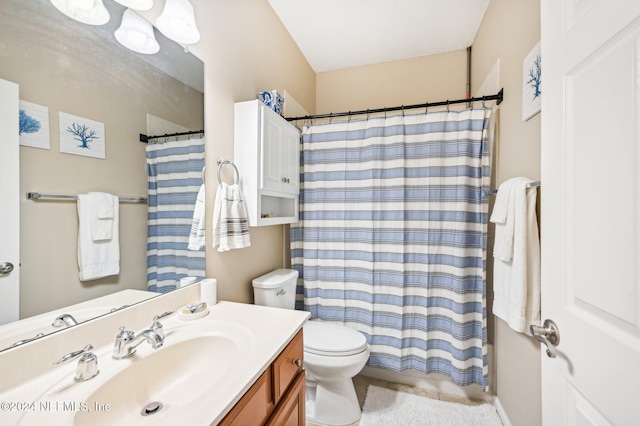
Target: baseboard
{"x":501,"y":413}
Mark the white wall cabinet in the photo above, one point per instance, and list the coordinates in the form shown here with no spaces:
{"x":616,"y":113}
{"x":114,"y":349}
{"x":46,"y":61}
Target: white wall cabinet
{"x":267,"y":153}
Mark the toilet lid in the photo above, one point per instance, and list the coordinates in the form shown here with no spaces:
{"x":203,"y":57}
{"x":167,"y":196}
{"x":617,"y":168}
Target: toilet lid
{"x":332,"y":339}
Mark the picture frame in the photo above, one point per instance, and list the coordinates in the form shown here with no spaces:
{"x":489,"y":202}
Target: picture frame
{"x":531,"y":83}
{"x":81,"y":136}
{"x":34,"y":125}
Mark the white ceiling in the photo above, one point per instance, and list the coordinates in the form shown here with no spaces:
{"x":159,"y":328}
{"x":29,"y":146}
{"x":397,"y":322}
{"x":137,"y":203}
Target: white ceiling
{"x":336,"y":34}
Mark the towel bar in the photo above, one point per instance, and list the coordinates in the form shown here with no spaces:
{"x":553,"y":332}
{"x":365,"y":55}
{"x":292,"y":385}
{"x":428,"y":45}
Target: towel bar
{"x":37,"y":196}
{"x":221,"y":163}
{"x":534,"y":184}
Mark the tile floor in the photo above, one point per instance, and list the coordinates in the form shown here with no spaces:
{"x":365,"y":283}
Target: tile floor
{"x":361,"y":384}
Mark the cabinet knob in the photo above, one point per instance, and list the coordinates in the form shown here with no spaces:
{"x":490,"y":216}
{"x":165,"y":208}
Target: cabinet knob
{"x":297,"y":362}
{"x":286,"y":180}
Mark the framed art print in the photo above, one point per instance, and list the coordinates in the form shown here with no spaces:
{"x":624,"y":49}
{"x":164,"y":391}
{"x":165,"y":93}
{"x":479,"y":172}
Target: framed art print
{"x":81,"y":136}
{"x":34,"y":125}
{"x":531,"y":83}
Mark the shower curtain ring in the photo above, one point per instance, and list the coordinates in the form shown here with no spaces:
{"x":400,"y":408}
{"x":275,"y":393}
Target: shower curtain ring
{"x":385,"y":113}
{"x":426,"y":108}
{"x":448,"y":106}
{"x":483,"y":99}
{"x":403,"y":110}
{"x":367,"y":113}
{"x":330,"y":117}
{"x":349,"y":119}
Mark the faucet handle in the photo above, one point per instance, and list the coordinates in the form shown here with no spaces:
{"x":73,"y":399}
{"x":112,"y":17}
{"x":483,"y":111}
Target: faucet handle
{"x":73,"y":355}
{"x":159,"y":317}
{"x":87,"y":364}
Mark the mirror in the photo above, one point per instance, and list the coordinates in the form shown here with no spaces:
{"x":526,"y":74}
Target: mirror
{"x":72,"y":68}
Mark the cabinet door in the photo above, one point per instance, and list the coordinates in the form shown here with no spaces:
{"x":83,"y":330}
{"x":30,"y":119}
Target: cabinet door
{"x":291,"y":410}
{"x":272,"y":141}
{"x":291,"y":160}
{"x":256,"y":405}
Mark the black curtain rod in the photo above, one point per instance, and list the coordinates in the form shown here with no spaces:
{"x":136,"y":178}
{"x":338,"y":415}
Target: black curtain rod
{"x":497,"y":97}
{"x":145,"y":138}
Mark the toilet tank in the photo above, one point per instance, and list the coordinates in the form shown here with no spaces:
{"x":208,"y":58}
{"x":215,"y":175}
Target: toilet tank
{"x":276,"y":289}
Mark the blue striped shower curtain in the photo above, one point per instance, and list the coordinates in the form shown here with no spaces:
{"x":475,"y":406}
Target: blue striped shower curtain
{"x":174,"y":171}
{"x":392,"y":237}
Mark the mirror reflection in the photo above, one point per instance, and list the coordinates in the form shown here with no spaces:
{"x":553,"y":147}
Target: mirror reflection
{"x":66,"y":68}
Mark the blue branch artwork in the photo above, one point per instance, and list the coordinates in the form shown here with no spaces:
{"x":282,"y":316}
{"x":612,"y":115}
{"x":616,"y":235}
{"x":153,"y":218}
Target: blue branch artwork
{"x":535,"y":77}
{"x":28,"y":124}
{"x":82,"y":133}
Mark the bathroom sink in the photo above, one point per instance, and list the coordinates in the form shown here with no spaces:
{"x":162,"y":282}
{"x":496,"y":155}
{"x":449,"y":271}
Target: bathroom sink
{"x":196,"y":359}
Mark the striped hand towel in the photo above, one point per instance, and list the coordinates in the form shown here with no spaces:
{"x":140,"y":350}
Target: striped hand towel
{"x":197,"y":234}
{"x":230,"y":224}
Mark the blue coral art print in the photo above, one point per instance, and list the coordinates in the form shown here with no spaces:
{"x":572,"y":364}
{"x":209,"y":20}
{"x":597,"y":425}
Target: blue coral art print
{"x":81,"y":136}
{"x":531,"y":83}
{"x":34,"y":125}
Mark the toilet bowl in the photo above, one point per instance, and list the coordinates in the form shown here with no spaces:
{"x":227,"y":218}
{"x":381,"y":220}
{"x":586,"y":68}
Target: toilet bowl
{"x":333,"y":354}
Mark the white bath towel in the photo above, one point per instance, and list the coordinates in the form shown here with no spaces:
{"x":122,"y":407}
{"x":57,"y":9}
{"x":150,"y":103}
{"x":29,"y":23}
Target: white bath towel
{"x":101,"y":211}
{"x":516,"y":268}
{"x":197,"y":234}
{"x":97,"y":259}
{"x":230,"y":223}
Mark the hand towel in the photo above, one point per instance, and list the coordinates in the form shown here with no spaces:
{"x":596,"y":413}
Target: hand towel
{"x":101,"y":210}
{"x":197,"y":234}
{"x":516,"y":268}
{"x":97,"y":259}
{"x":230,"y":223}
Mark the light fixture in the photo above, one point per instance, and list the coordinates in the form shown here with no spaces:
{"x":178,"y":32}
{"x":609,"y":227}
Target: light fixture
{"x":178,"y":22}
{"x":136,"y":4}
{"x":136,"y":33}
{"x":90,"y":12}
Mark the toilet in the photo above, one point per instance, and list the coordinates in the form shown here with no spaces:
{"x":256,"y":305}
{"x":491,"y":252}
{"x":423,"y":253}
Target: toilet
{"x":333,"y":354}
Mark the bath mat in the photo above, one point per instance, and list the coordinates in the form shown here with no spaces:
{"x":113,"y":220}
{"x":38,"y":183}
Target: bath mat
{"x":386,"y":407}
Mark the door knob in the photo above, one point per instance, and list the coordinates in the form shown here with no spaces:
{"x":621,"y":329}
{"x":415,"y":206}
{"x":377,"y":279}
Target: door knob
{"x":547,"y":334}
{"x":6,"y":267}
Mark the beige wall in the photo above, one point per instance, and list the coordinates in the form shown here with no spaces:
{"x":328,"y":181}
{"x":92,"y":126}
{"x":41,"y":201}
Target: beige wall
{"x":411,"y":81}
{"x":508,"y":32}
{"x":83,"y":76}
{"x":246,"y":50}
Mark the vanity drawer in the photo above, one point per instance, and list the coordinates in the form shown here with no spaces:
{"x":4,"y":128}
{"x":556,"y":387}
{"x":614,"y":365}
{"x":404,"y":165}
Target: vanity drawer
{"x":287,"y":366}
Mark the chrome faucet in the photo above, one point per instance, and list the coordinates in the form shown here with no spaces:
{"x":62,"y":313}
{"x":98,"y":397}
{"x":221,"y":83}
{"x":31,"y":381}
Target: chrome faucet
{"x":64,"y":320}
{"x":127,"y":342}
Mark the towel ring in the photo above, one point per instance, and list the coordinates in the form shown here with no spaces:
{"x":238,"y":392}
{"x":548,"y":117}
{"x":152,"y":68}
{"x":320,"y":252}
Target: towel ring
{"x":236,"y":178}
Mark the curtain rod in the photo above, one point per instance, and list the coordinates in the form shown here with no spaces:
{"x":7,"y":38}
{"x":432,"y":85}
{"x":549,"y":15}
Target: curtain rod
{"x":37,"y":196}
{"x":144,"y":138}
{"x":497,"y":97}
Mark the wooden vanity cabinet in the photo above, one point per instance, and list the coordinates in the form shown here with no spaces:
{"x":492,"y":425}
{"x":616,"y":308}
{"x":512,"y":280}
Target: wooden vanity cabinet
{"x":277,"y":398}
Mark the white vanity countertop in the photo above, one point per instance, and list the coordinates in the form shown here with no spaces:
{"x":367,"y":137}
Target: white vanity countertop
{"x":270,"y":330}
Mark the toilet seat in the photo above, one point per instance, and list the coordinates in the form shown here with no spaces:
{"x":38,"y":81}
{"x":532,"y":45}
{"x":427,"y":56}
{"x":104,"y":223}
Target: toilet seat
{"x":332,"y":339}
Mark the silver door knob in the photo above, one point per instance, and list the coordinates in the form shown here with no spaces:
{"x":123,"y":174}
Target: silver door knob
{"x":5,"y":268}
{"x":547,"y":334}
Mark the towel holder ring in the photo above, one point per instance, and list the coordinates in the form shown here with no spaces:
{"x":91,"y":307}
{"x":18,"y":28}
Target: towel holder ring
{"x":221,"y":163}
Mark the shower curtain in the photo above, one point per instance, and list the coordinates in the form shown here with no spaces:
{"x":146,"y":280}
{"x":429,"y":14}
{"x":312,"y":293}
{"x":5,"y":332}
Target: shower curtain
{"x":174,"y":171}
{"x":392,"y":237}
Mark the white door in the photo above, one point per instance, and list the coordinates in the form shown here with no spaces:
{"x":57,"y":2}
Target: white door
{"x":9,"y":203}
{"x":591,"y":210}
